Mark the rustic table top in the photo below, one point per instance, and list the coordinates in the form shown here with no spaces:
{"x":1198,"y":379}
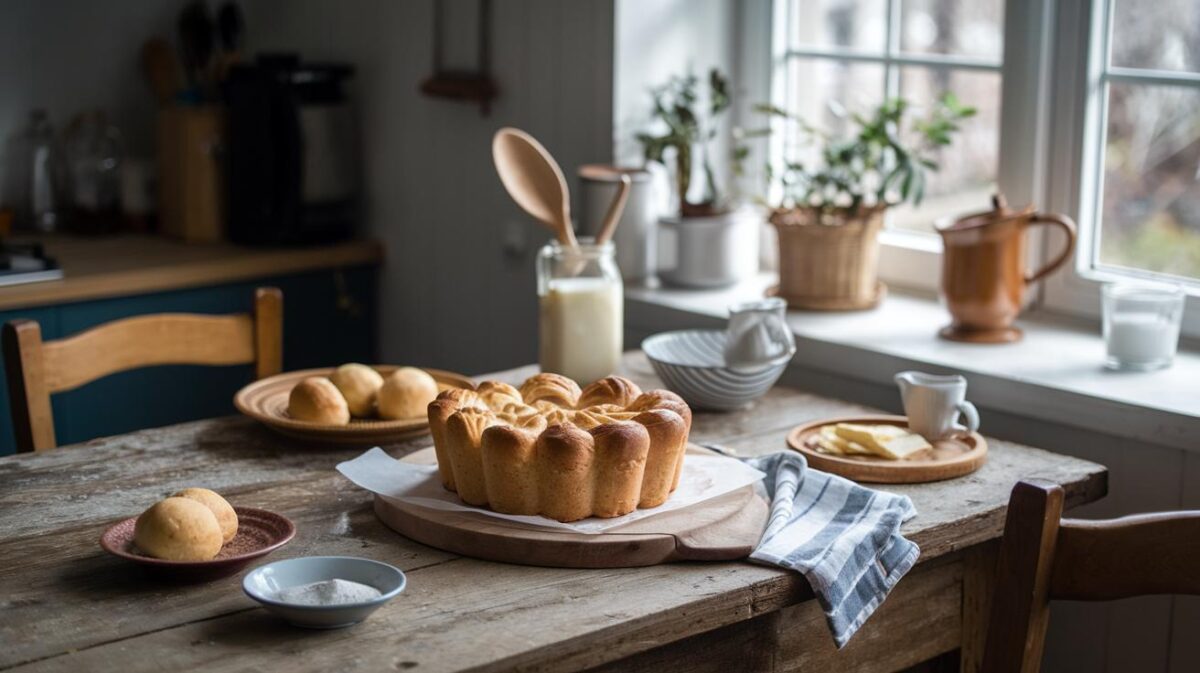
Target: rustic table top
{"x":66,"y":605}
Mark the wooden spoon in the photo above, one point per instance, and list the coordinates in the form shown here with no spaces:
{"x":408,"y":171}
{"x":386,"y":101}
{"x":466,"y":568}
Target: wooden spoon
{"x":615,"y":210}
{"x":534,"y":180}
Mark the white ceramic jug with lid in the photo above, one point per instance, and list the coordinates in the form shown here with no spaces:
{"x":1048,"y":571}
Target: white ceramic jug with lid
{"x":758,"y":334}
{"x":934,"y":402}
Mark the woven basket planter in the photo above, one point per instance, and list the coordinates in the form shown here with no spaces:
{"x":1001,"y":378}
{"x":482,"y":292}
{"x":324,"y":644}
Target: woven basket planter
{"x":829,"y":261}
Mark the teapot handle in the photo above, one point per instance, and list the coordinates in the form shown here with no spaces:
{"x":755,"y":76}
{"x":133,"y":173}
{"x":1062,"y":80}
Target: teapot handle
{"x":1068,"y":227}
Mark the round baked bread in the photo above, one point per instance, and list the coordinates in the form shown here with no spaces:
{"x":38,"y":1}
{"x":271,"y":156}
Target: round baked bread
{"x":316,"y":400}
{"x":220,"y":507}
{"x":178,"y":529}
{"x":359,"y":384}
{"x":553,"y":450}
{"x":406,"y":393}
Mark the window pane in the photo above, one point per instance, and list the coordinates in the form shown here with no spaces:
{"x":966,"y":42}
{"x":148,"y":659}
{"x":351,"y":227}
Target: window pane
{"x":953,"y":27}
{"x":857,"y":24}
{"x":819,"y":87}
{"x":1163,"y":34}
{"x":1151,"y":202}
{"x":967,"y":175}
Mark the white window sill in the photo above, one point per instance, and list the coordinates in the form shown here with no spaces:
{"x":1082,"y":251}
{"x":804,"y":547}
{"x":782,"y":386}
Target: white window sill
{"x":1054,"y":373}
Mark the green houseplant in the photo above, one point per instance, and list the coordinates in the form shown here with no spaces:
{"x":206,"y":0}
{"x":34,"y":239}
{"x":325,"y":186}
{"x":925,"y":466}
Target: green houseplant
{"x":828,"y":213}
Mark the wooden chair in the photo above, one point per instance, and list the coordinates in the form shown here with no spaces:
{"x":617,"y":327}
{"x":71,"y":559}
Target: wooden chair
{"x":1045,"y":557}
{"x":36,"y":369}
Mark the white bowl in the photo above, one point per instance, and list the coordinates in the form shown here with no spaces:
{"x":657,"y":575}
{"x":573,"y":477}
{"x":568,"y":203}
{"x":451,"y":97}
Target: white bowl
{"x":264,"y":583}
{"x":692,"y":364}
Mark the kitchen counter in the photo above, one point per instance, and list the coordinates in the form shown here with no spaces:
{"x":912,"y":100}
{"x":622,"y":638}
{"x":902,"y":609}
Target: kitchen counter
{"x":129,"y":264}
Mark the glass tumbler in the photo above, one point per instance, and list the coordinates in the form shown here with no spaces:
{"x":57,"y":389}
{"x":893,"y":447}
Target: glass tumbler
{"x":581,"y":310}
{"x":1141,"y":326}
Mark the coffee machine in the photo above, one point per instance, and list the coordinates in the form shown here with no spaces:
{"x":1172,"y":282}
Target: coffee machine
{"x":292,"y":159}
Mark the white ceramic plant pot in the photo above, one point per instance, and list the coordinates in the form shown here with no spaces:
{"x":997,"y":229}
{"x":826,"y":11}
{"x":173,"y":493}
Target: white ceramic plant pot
{"x":705,"y":252}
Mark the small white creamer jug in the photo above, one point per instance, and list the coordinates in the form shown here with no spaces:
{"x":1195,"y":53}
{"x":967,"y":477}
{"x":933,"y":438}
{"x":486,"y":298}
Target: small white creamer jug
{"x":758,"y":334}
{"x":934,"y":402}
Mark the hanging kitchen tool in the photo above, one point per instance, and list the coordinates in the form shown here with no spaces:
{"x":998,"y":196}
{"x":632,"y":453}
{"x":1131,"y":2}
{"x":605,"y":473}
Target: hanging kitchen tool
{"x":475,"y":86}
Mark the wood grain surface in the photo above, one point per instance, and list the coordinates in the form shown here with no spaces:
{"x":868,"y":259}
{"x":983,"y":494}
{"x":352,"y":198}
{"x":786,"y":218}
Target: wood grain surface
{"x":65,"y":605}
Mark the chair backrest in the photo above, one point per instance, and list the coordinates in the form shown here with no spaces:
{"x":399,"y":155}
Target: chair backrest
{"x":1045,"y":557}
{"x":37,"y":368}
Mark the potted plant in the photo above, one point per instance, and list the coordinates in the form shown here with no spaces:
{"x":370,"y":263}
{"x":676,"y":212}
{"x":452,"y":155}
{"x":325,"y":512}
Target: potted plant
{"x":711,"y":242}
{"x":828,"y":214}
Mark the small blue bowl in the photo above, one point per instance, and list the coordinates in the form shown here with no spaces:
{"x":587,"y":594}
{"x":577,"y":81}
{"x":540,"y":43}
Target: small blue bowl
{"x":264,"y":583}
{"x":692,"y":364}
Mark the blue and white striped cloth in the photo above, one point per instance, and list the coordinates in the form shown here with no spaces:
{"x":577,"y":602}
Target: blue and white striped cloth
{"x":843,"y":537}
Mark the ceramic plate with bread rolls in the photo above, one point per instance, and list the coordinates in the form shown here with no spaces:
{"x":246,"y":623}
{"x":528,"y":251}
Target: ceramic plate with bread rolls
{"x":350,"y":404}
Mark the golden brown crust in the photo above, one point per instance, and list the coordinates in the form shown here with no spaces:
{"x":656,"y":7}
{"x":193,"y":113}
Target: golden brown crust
{"x":616,"y":390}
{"x":527,"y":451}
{"x":553,"y":388}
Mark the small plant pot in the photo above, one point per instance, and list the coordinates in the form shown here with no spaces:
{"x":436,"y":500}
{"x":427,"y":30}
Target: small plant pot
{"x":829,"y":261}
{"x":707,"y":252}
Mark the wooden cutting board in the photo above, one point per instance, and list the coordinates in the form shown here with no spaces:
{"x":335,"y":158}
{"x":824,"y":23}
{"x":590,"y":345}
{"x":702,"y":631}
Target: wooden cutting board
{"x":954,"y":456}
{"x":721,"y":529}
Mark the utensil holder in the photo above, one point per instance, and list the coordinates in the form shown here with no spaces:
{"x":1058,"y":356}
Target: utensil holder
{"x":191,"y":179}
{"x":829,"y":261}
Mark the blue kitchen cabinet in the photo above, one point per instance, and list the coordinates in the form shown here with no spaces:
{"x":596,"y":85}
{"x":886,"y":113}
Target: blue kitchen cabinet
{"x":329,"y":317}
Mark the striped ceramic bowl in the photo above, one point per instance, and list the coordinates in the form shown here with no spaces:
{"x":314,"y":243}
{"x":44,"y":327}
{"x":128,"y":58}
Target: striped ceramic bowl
{"x":692,"y":364}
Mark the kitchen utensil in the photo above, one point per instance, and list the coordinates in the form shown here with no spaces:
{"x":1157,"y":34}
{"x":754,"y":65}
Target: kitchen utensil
{"x":93,"y":150}
{"x":692,"y":364}
{"x":613,"y":217}
{"x":1141,"y":325}
{"x":264,"y":584}
{"x":266,"y":401}
{"x":534,"y":180}
{"x":292,"y":166}
{"x":636,"y":234}
{"x":161,"y":69}
{"x":933,"y":403}
{"x":954,"y":456}
{"x":707,"y":252}
{"x":38,"y":169}
{"x":259,"y":533}
{"x":725,"y":528}
{"x":983,"y":270}
{"x":196,"y":40}
{"x":758,"y":334}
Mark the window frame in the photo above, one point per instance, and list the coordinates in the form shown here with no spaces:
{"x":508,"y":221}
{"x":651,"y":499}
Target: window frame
{"x":1080,"y":126}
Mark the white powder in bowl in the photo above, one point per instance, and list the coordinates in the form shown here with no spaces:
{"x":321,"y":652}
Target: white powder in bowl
{"x":328,"y":592}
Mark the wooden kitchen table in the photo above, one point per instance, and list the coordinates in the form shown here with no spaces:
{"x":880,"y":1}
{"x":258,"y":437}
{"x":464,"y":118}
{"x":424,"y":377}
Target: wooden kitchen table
{"x":65,"y":605}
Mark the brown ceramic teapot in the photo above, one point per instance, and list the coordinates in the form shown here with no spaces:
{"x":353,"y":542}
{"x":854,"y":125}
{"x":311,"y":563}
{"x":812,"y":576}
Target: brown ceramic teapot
{"x":983,"y":270}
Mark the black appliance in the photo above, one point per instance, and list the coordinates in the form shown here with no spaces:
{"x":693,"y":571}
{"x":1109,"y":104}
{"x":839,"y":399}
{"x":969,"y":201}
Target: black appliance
{"x":292,"y":153}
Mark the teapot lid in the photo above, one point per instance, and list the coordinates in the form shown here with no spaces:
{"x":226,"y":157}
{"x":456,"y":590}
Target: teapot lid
{"x":1000,"y":212}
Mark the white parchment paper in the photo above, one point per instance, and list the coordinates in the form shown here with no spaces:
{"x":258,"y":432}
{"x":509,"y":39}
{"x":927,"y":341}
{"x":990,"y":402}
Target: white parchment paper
{"x":703,"y":478}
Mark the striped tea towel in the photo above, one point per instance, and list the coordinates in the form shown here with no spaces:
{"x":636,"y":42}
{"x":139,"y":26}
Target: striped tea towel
{"x":843,"y":537}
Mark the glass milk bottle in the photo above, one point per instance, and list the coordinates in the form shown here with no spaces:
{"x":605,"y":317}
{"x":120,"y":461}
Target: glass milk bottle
{"x":581,"y":310}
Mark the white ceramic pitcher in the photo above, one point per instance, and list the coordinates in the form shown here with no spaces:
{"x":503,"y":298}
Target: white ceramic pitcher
{"x":934,"y":402}
{"x":758,"y":334}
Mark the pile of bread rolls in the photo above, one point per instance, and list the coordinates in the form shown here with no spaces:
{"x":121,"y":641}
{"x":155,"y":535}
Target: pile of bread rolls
{"x":191,"y":525}
{"x":358,"y":391}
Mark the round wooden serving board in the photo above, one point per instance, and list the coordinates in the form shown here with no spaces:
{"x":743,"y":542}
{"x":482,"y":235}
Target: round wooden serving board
{"x":266,"y":401}
{"x":955,"y":456}
{"x":721,"y":529}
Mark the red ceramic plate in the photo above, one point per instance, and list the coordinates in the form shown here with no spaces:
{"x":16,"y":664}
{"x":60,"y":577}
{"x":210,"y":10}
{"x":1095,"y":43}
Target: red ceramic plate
{"x":259,"y":533}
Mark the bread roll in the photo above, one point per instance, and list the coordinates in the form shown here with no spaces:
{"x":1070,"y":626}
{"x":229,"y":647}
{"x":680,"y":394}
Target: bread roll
{"x":359,"y":384}
{"x":564,"y":472}
{"x":220,"y":507}
{"x":316,"y":400}
{"x":616,"y":390}
{"x":178,"y":529}
{"x":554,"y":388}
{"x":620,"y":461}
{"x":406,"y":393}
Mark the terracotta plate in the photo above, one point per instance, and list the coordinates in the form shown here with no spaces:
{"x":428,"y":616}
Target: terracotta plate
{"x":267,"y":400}
{"x":259,"y":533}
{"x":949,"y":458}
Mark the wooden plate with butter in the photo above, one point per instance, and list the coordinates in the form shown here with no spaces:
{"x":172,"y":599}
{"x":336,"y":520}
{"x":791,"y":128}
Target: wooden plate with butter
{"x":266,"y":401}
{"x":879,"y":449}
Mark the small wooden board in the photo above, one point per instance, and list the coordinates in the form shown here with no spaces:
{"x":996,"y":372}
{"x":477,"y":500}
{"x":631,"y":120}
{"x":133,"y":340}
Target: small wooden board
{"x":721,"y":529}
{"x":266,"y":401}
{"x":952,"y":457}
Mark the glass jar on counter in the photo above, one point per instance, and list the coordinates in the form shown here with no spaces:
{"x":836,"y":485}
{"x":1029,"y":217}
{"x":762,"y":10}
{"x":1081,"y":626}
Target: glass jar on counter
{"x":581,"y":310}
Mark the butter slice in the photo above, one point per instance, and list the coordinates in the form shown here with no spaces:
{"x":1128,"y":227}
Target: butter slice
{"x":829,"y":440}
{"x":886,"y":441}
